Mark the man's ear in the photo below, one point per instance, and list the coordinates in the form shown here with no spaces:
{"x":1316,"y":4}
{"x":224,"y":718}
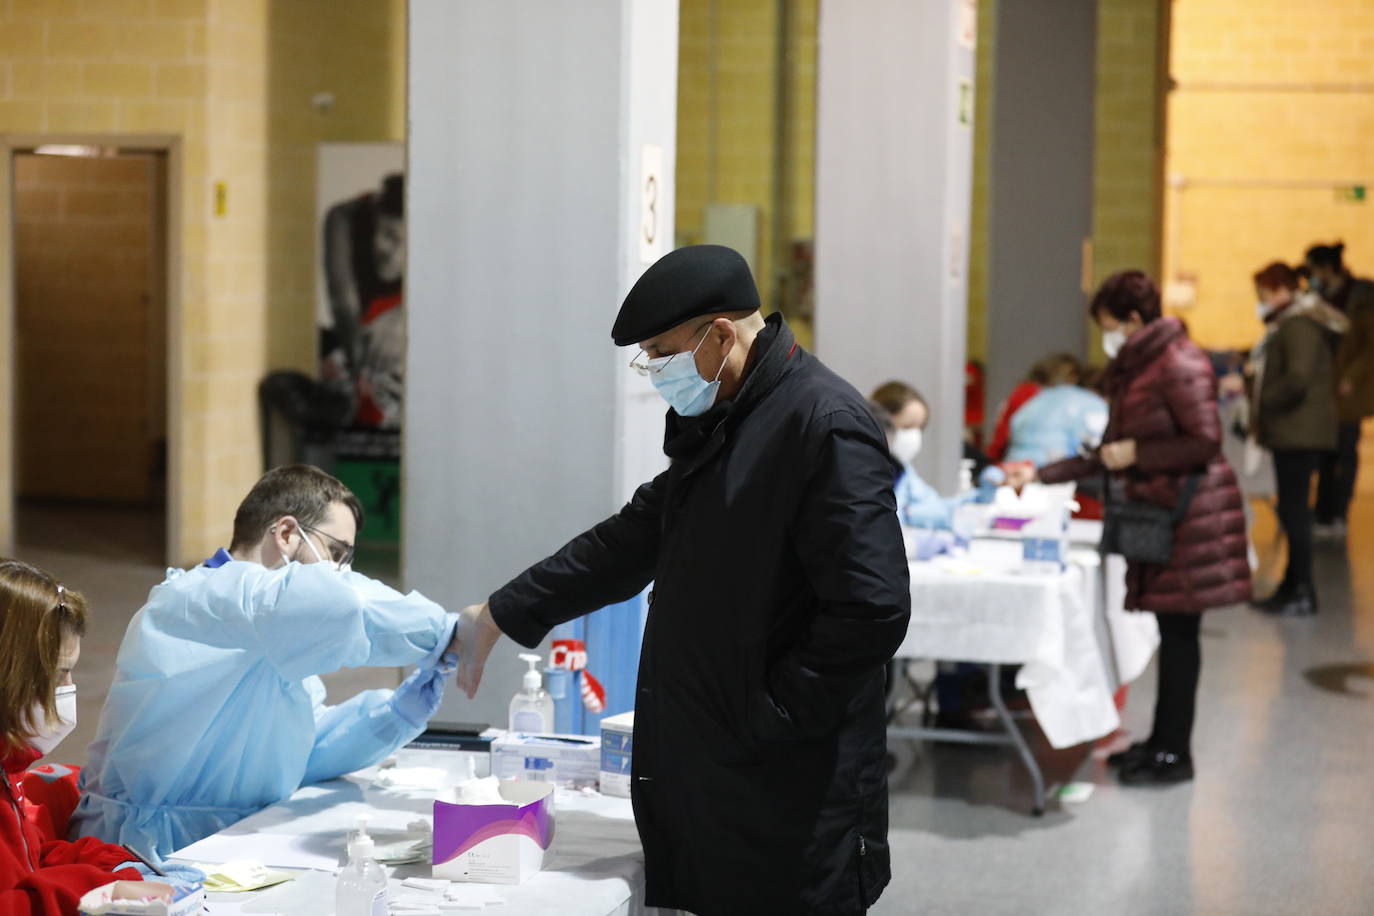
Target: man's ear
{"x":282,"y":531}
{"x":727,"y":334}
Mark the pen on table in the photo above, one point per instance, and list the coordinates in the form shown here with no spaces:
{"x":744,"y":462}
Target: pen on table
{"x":155,"y":870}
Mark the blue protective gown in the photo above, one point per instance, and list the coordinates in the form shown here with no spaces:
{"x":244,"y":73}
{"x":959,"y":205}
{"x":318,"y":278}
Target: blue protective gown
{"x":1055,"y":423}
{"x":919,"y":505}
{"x":217,"y":711}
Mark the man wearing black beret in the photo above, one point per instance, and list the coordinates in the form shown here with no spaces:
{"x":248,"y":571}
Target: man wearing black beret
{"x":780,"y":592}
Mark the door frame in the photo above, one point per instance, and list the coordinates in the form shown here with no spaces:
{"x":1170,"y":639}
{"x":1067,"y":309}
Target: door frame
{"x":170,"y":145}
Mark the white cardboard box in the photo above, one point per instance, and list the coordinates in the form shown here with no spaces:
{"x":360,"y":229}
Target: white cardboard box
{"x":494,"y":844}
{"x":617,"y":748}
{"x":573,"y":761}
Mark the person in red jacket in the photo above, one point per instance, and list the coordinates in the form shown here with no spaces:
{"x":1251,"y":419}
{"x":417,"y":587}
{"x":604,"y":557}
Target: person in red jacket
{"x":1164,"y":427}
{"x":41,"y":624}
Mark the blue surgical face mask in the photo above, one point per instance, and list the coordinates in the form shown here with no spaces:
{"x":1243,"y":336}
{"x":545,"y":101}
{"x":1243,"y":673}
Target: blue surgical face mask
{"x":678,"y":382}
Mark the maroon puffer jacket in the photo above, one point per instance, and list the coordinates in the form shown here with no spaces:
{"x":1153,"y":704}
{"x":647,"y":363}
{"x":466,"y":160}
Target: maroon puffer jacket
{"x":1164,"y":396}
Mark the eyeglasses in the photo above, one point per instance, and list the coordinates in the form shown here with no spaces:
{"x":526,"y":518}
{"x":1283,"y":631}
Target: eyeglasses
{"x":643,"y":367}
{"x":340,"y":552}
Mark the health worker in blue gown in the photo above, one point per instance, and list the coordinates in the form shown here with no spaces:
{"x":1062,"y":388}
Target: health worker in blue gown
{"x":217,"y":709}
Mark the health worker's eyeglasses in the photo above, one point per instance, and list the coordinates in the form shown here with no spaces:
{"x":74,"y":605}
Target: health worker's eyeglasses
{"x":644,"y":366}
{"x":341,"y":552}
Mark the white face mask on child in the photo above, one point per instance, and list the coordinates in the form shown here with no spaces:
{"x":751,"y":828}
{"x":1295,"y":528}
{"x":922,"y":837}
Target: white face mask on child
{"x":50,"y":736}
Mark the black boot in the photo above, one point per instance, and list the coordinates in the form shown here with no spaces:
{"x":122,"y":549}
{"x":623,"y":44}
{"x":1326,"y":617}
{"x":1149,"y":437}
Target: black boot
{"x":1300,"y":602}
{"x":1159,"y":768}
{"x":1277,"y":599}
{"x":1132,"y":756}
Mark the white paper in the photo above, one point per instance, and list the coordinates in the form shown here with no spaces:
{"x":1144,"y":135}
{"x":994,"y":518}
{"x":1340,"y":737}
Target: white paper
{"x":272,"y":849}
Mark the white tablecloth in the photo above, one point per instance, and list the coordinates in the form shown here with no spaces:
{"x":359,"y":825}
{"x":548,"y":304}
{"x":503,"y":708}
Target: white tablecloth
{"x":981,"y":608}
{"x":597,"y":867}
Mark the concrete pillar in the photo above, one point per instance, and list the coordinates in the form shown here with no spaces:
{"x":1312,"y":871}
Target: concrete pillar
{"x":1041,"y":186}
{"x":540,"y":186}
{"x":894,"y":151}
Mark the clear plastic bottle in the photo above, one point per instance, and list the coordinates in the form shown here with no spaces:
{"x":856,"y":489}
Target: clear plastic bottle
{"x":966,"y":466}
{"x":531,"y":710}
{"x":361,"y":889}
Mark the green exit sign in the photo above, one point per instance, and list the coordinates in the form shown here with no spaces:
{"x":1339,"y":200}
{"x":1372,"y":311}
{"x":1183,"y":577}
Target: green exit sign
{"x":1351,"y":193}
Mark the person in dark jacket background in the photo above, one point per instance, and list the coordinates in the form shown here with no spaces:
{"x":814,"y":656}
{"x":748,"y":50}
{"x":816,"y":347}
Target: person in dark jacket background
{"x":1164,"y":427}
{"x":1353,"y":297}
{"x":1295,"y":416}
{"x":780,"y":593}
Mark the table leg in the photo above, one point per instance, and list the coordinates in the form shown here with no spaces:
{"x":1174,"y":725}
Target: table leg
{"x":1105,"y":632}
{"x":1018,"y":740}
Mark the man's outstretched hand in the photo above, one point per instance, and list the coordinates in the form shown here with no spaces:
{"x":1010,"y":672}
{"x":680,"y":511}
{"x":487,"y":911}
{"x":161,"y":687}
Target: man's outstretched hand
{"x":475,"y":634}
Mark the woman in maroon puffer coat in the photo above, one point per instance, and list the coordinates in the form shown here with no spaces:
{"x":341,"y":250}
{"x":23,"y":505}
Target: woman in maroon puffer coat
{"x":1164,"y":426}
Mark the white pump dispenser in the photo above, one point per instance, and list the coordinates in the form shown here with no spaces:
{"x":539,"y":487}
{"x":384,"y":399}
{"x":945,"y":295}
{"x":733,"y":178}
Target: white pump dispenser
{"x":361,"y":889}
{"x":531,"y":710}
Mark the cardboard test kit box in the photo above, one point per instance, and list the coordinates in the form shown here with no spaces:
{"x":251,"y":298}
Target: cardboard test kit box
{"x":494,"y":844}
{"x":568,"y":760}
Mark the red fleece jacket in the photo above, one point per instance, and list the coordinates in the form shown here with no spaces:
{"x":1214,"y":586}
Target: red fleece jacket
{"x":47,"y":878}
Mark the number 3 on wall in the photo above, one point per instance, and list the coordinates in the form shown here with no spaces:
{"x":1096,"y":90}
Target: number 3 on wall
{"x":650,"y":203}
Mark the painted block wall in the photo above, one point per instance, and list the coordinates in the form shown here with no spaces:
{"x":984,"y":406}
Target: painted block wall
{"x":1272,"y":113}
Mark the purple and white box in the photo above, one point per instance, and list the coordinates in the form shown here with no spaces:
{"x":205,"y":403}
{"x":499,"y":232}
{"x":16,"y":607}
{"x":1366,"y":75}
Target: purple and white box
{"x":494,"y":844}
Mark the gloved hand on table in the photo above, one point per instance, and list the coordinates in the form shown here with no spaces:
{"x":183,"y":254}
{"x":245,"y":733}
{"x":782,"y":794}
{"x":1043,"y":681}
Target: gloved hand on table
{"x":419,"y":695}
{"x":924,"y":545}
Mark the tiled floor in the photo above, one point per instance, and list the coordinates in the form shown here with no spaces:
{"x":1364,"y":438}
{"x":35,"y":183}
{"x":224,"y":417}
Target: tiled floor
{"x":1279,"y":821}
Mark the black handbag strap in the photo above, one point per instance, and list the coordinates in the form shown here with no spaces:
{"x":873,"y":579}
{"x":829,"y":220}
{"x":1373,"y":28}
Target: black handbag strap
{"x":1185,"y":497}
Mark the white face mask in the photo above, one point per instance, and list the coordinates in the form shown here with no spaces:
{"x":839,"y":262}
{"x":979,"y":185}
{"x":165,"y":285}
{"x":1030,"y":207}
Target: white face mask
{"x":50,"y":736}
{"x":906,"y":444}
{"x":1112,"y":342}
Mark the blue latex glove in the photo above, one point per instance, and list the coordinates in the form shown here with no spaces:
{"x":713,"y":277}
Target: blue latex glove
{"x":992,"y":478}
{"x":419,"y":695}
{"x":931,"y":544}
{"x":176,"y":873}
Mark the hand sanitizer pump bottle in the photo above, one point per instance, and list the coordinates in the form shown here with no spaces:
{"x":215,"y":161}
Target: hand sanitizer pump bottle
{"x":531,"y":710}
{"x":361,"y":890}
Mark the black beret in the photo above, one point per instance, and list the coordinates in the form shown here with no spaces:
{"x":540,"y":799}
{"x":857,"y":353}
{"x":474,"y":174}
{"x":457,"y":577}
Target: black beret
{"x":682,"y":285}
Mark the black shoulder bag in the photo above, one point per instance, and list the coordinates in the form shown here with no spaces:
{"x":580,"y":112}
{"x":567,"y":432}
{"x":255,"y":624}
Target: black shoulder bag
{"x":1144,"y":532}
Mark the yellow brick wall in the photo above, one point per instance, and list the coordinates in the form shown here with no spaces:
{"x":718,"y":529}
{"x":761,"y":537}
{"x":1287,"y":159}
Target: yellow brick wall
{"x":1276,"y":98}
{"x":126,"y":67}
{"x":800,"y":119}
{"x":739,"y":40}
{"x":1131,"y":36}
{"x":225,"y":77}
{"x":727,"y":115}
{"x":227,"y":355}
{"x":982,"y":153}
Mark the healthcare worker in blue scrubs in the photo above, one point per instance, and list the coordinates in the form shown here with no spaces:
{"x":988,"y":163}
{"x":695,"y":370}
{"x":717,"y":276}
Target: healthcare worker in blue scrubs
{"x":1060,"y":422}
{"x":919,"y":505}
{"x":217,"y":709}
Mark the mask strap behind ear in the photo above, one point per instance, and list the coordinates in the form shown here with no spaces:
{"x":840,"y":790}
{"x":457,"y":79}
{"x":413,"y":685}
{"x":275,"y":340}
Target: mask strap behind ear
{"x":311,"y":544}
{"x":723,"y":361}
